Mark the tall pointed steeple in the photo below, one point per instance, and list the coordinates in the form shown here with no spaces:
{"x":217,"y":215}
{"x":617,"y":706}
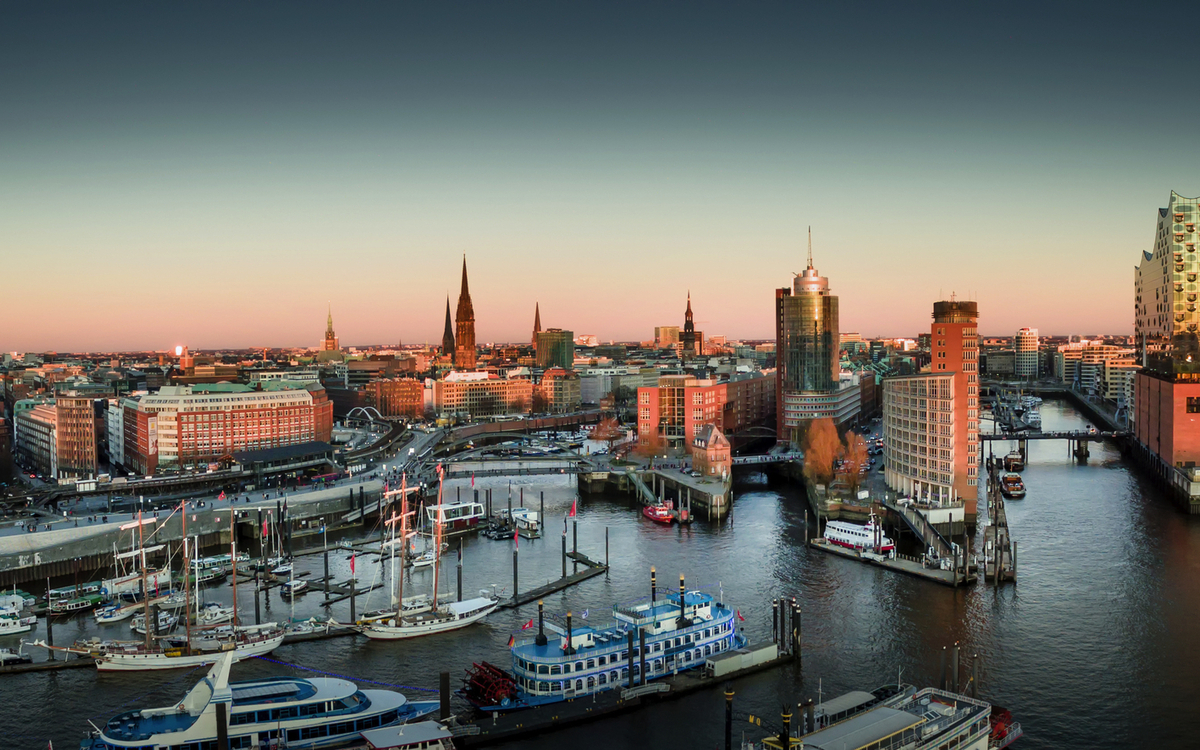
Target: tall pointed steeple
{"x":329,"y":321}
{"x":688,"y":339}
{"x":464,"y":328}
{"x":537,"y":323}
{"x":330,"y":342}
{"x":448,"y":334}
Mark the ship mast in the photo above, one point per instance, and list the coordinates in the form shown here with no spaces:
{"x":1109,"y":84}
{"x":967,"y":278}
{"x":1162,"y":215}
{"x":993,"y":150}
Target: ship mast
{"x":437,"y":538}
{"x":187,"y":602}
{"x":233,"y":563}
{"x":403,"y":548}
{"x":145,"y":590}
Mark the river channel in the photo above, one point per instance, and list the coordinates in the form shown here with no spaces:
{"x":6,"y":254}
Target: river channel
{"x":1094,"y":646}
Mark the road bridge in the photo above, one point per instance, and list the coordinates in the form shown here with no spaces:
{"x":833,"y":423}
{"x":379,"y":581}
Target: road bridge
{"x":769,"y":458}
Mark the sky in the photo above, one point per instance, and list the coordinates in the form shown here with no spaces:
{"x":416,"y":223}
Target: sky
{"x":217,"y":174}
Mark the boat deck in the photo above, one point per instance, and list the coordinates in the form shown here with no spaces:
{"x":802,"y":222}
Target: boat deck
{"x":897,"y":564}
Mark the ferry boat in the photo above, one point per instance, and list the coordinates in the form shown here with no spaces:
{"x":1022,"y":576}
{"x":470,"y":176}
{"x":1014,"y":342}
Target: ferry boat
{"x":659,"y":513}
{"x":1011,"y":485}
{"x":66,"y":593}
{"x":1033,"y":418}
{"x":681,"y":630}
{"x":79,"y":604}
{"x":527,"y":522}
{"x":867,"y":538}
{"x":1014,"y":462}
{"x":317,"y":712}
{"x":456,"y":518}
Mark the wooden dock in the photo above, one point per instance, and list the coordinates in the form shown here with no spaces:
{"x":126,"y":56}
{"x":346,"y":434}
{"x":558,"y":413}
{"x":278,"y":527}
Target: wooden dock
{"x":532,"y":595}
{"x":900,"y":564}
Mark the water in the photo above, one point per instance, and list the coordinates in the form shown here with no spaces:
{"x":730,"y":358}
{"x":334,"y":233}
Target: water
{"x":1094,"y":647}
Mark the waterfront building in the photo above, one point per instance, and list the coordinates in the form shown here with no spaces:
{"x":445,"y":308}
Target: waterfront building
{"x":560,"y":388}
{"x":397,"y":397}
{"x":1000,"y":363}
{"x":711,"y":453}
{"x":464,"y":327}
{"x":674,"y":411}
{"x":931,"y":420}
{"x":186,"y":425}
{"x":1166,"y":409}
{"x":1025,"y":349}
{"x":556,"y":348}
{"x":115,"y":432}
{"x":472,"y":395}
{"x":35,"y":438}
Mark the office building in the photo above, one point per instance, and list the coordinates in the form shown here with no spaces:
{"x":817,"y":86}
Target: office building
{"x":556,"y":348}
{"x":673,"y":412}
{"x":1025,"y":348}
{"x":35,"y":438}
{"x":560,"y":389}
{"x":76,"y":435}
{"x":397,"y":397}
{"x":474,"y":395}
{"x":190,"y":425}
{"x":666,"y":337}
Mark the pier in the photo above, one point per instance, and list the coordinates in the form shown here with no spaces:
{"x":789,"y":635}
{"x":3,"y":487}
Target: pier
{"x":591,"y":569}
{"x":955,"y":576}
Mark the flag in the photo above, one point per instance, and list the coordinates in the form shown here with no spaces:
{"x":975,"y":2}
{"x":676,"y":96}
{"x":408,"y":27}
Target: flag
{"x":739,"y":616}
{"x":516,"y":538}
{"x":585,"y":613}
{"x":266,"y":531}
{"x":221,"y":496}
{"x":351,"y":563}
{"x":511,"y":640}
{"x":527,"y":625}
{"x":472,"y":480}
{"x":572,"y":514}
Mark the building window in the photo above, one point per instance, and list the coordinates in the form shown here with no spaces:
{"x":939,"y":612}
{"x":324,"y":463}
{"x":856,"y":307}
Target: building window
{"x":1193,"y":404}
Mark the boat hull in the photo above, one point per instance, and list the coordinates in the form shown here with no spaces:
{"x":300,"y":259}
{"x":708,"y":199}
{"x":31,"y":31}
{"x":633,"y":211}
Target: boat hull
{"x":658,"y":517}
{"x":381,"y":632}
{"x":153,"y":661}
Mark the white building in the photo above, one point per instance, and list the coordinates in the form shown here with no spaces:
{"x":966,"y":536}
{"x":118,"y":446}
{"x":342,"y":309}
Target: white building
{"x":842,"y":405}
{"x":116,"y":432}
{"x":1025,"y":347}
{"x":297,"y":376}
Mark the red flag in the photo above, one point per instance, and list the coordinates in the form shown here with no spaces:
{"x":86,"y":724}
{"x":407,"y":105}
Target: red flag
{"x":527,"y":625}
{"x":472,"y":480}
{"x":221,"y":496}
{"x":266,"y":531}
{"x":572,"y":513}
{"x":516,"y":538}
{"x":739,"y":615}
{"x":351,"y":563}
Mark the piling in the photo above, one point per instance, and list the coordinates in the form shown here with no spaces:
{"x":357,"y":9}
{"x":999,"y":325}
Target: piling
{"x":458,"y":494}
{"x":728,"y":719}
{"x":942,"y":683}
{"x":975,"y":676}
{"x":796,"y":635}
{"x":575,"y":544}
{"x":353,"y":617}
{"x":542,"y":507}
{"x":515,"y":589}
{"x":642,"y":654}
{"x":459,"y":570}
{"x":222,"y":726}
{"x":444,"y":695}
{"x":785,"y":738}
{"x":811,"y":719}
{"x":564,"y":554}
{"x":326,"y":556}
{"x":653,"y":586}
{"x":522,"y":497}
{"x":541,"y":636}
{"x":152,"y":619}
{"x":775,"y":620}
{"x":954,"y":669}
{"x":257,"y":601}
{"x":629,"y":633}
{"x":606,"y":550}
{"x":49,"y":626}
{"x":570,"y":649}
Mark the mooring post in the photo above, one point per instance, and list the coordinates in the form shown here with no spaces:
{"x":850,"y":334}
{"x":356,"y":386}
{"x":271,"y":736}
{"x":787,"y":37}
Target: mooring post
{"x":514,"y":578}
{"x":542,"y":509}
{"x":444,"y":695}
{"x":575,"y":545}
{"x":785,"y":737}
{"x":353,"y":616}
{"x":257,"y":607}
{"x":460,"y":558}
{"x":642,"y":654}
{"x":325,"y":554}
{"x":797,"y":632}
{"x":564,"y":554}
{"x":954,"y":669}
{"x":728,"y":719}
{"x":606,"y":550}
{"x":942,"y":683}
{"x":775,"y":620}
{"x":975,"y":676}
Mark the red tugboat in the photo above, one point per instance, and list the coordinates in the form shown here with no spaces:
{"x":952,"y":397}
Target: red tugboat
{"x":660,"y":513}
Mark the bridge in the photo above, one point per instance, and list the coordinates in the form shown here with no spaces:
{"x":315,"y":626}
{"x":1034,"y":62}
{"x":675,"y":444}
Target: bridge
{"x":769,"y":458}
{"x":1069,"y":435}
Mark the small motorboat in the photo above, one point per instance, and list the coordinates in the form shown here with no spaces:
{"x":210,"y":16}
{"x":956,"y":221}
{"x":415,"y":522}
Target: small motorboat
{"x":214,"y":614}
{"x":1014,"y":462}
{"x":1011,"y":486}
{"x":659,"y":513}
{"x":166,"y":622}
{"x":426,"y":558}
{"x":292,"y":588}
{"x":282,"y":570}
{"x":8,"y":657}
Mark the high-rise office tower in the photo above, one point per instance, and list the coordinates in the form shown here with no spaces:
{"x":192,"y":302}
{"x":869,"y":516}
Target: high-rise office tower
{"x":1025,"y":357}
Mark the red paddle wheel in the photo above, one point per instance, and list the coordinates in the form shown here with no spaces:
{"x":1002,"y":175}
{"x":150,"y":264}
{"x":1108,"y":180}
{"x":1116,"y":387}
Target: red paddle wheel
{"x":488,"y":685}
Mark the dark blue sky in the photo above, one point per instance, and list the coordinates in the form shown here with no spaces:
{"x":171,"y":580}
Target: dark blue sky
{"x":268,"y":158}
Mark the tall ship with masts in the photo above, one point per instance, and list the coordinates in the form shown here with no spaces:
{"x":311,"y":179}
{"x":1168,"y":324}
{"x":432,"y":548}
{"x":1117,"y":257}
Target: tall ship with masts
{"x":199,"y":646}
{"x":437,"y":618}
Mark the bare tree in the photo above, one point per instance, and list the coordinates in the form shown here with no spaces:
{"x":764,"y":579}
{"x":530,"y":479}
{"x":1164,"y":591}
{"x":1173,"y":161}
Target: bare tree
{"x":854,"y":458}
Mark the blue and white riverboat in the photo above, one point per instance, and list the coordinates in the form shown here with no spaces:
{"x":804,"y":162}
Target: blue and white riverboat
{"x":681,"y":631}
{"x":321,"y":712}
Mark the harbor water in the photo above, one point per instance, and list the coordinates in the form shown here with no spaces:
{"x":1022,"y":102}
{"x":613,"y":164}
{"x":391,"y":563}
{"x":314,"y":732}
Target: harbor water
{"x":1094,"y":646}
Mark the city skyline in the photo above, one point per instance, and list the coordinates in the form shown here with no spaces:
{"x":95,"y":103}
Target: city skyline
{"x":266,"y":163}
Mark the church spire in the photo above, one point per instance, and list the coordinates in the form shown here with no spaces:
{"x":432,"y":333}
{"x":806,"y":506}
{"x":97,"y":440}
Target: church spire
{"x":464,"y":326}
{"x":329,"y":321}
{"x":537,"y":323}
{"x":448,"y":335}
{"x":465,"y":291}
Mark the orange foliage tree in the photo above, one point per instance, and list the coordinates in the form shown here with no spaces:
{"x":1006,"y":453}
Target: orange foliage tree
{"x":607,"y":431}
{"x":821,"y":448}
{"x":854,"y":458}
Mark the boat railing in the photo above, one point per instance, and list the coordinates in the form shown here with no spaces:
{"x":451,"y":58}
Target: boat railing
{"x":619,"y":644}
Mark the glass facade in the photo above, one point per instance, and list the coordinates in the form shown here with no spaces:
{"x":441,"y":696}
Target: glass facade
{"x":1167,"y":321}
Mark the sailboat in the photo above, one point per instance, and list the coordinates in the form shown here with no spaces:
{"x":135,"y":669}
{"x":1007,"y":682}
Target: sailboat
{"x":170,"y":653}
{"x":436,"y":619}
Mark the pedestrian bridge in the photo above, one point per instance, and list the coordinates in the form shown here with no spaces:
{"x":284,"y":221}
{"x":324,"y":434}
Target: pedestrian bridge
{"x":769,"y":458}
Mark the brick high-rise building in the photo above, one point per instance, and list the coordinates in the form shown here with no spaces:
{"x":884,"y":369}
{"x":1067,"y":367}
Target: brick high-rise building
{"x":76,"y":435}
{"x":464,"y":333}
{"x":398,"y":397}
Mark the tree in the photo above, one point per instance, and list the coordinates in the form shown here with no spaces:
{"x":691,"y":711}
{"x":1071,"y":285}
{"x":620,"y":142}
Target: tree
{"x":518,"y":405}
{"x":854,"y":458}
{"x":821,"y":447}
{"x":540,"y":404}
{"x":623,"y":395}
{"x":608,"y":431}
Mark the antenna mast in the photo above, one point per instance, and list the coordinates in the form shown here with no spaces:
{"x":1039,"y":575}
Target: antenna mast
{"x":810,"y":265}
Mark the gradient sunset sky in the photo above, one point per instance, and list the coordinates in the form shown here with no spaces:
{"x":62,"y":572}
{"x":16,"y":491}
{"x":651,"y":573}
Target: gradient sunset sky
{"x":215,"y":174}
